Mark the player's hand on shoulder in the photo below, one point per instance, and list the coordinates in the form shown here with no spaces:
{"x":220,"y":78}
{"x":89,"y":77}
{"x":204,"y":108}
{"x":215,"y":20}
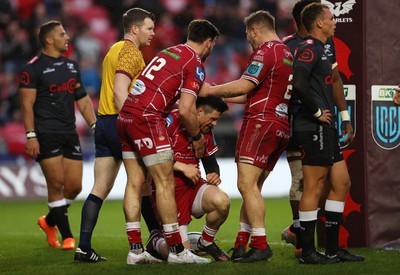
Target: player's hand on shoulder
{"x":213,"y":178}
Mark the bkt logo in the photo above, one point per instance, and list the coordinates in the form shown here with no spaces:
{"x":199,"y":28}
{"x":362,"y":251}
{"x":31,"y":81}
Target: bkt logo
{"x":385,"y":117}
{"x":350,"y":95}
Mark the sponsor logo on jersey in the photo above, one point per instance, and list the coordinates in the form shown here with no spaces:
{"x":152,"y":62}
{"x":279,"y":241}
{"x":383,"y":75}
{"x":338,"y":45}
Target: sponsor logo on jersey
{"x":281,"y":111}
{"x":287,"y":53}
{"x":328,"y":50}
{"x":138,"y":87}
{"x":71,"y":67}
{"x":68,"y":86}
{"x":385,"y":117}
{"x":200,"y":75}
{"x":340,"y":9}
{"x":287,"y":61}
{"x":262,"y":159}
{"x":48,"y":70}
{"x":255,"y":68}
{"x":169,"y":119}
{"x":195,"y":85}
{"x":173,"y":55}
{"x":282,"y":134}
{"x":58,"y":63}
{"x":350,"y":96}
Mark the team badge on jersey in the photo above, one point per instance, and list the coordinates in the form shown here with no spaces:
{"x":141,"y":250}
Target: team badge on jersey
{"x":350,"y":96}
{"x":254,"y":69}
{"x":385,"y":117}
{"x":25,"y":78}
{"x":306,"y":56}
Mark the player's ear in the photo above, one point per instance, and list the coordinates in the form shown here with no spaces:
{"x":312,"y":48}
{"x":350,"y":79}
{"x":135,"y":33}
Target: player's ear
{"x":200,"y":110}
{"x":135,"y":29}
{"x":319,"y":23}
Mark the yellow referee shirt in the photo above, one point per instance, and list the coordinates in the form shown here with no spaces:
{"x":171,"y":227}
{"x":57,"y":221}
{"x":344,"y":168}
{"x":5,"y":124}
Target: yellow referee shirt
{"x":123,"y":57}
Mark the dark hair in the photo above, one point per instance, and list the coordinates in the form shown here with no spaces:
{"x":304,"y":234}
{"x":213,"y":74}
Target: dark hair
{"x":310,"y":13}
{"x":260,"y":17}
{"x":298,"y":8}
{"x":211,"y":103}
{"x":45,"y":29}
{"x":135,"y":16}
{"x":200,"y":30}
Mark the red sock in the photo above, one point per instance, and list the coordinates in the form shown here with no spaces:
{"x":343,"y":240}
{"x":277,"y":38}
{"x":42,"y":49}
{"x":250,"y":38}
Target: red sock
{"x":173,"y":238}
{"x":242,"y":239}
{"x":208,"y":234}
{"x":134,"y":236}
{"x":259,"y":242}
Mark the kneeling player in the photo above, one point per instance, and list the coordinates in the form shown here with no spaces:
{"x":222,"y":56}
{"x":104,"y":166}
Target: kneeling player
{"x":194,"y":195}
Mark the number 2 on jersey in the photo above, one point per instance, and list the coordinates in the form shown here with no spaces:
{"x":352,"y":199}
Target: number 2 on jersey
{"x":288,"y":93}
{"x":155,"y":65}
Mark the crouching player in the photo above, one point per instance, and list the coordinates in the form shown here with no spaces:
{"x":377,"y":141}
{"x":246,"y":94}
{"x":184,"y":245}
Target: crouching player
{"x":194,"y":195}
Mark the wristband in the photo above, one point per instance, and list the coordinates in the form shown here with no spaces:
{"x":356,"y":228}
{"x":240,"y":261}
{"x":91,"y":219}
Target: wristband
{"x":197,"y":137}
{"x":30,"y":134}
{"x":93,"y":126}
{"x":345,"y":115}
{"x":318,"y":113}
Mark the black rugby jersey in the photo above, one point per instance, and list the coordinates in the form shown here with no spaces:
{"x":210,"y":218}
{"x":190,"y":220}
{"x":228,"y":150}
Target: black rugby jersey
{"x":293,"y":41}
{"x":58,"y":84}
{"x":311,"y":55}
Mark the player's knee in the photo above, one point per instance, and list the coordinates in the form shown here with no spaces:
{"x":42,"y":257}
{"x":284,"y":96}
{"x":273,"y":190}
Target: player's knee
{"x":73,"y":192}
{"x":222,"y":203}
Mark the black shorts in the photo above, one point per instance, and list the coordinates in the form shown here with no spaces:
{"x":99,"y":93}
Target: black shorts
{"x":320,"y":147}
{"x":106,"y":138}
{"x":52,"y":145}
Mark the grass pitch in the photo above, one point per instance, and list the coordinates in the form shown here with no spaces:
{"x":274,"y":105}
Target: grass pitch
{"x":24,"y":250}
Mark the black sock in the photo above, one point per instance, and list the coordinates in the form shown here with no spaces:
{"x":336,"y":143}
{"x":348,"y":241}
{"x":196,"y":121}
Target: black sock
{"x":332,"y":226}
{"x":60,"y":215}
{"x":296,"y":230}
{"x":307,"y":236}
{"x":50,"y":219}
{"x":90,"y":214}
{"x":148,"y":214}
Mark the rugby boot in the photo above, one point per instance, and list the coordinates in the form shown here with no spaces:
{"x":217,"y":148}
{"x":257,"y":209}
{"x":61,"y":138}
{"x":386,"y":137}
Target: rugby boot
{"x":87,"y":257}
{"x":68,"y":244}
{"x":345,"y":256}
{"x":316,"y":257}
{"x":50,"y":231}
{"x":212,"y":249}
{"x":255,"y":255}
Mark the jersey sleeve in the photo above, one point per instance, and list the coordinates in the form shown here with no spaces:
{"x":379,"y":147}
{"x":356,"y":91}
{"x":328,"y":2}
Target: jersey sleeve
{"x":28,"y":77}
{"x":260,"y":65}
{"x":130,"y":61}
{"x":193,"y":79}
{"x":333,"y":60}
{"x":211,"y":144}
{"x":306,"y":57}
